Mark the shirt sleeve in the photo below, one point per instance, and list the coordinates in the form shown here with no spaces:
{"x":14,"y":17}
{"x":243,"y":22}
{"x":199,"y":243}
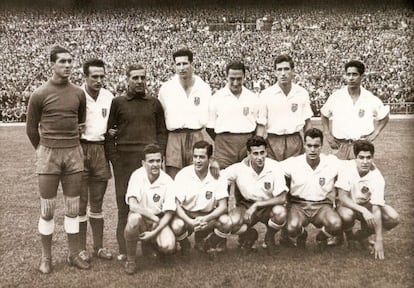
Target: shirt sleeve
{"x":169,"y":201}
{"x":34,"y":112}
{"x":82,"y":108}
{"x":134,"y":187}
{"x":307,"y":110}
{"x":222,"y":191}
{"x":326,"y":109}
{"x":178,"y":188}
{"x":230,"y":173}
{"x":280,"y":181}
{"x":212,"y":112}
{"x":381,"y":110}
{"x":343,"y":177}
{"x":378,"y":187}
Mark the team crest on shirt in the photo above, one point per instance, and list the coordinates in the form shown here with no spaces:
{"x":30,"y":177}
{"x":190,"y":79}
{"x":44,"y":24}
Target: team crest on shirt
{"x":322,"y":181}
{"x":209,"y":195}
{"x":267,"y":185}
{"x":361,"y":113}
{"x":365,"y":191}
{"x":294,"y":107}
{"x":245,"y":111}
{"x":197,"y":101}
{"x":104,"y":112}
{"x":156,"y":197}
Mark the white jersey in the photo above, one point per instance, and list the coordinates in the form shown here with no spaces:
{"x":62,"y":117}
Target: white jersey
{"x":197,"y":195}
{"x":309,"y":184}
{"x":283,"y":114}
{"x":352,"y":120}
{"x":157,"y":197}
{"x":369,"y":188}
{"x":97,"y":113}
{"x":269,"y":183}
{"x":228,"y":113}
{"x":182,"y":111}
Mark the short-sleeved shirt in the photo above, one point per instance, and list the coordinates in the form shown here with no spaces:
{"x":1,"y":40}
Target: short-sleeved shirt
{"x":157,"y":197}
{"x":307,"y":183}
{"x":352,"y":120}
{"x":366,"y":189}
{"x":97,"y":113}
{"x":196,"y":195}
{"x":284,"y":114}
{"x":269,"y":183}
{"x":182,"y":111}
{"x":228,"y":113}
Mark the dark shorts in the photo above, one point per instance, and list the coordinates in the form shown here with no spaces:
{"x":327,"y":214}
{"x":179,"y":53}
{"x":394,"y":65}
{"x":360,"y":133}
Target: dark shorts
{"x":59,"y":161}
{"x":230,"y":148}
{"x":282,"y":147}
{"x":260,"y":215}
{"x":309,"y":209}
{"x":180,"y":147}
{"x":95,"y":163}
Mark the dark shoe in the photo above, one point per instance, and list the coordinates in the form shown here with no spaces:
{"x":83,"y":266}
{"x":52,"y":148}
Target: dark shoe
{"x":84,"y":255}
{"x":321,"y":241}
{"x":45,"y":265}
{"x":335,"y":240}
{"x":78,"y":262}
{"x":103,"y":253}
{"x":285,"y":241}
{"x":201,"y":246}
{"x":301,"y":240}
{"x":269,"y":243}
{"x":248,"y":238}
{"x":149,"y":249}
{"x":185,"y":247}
{"x":130,"y":267}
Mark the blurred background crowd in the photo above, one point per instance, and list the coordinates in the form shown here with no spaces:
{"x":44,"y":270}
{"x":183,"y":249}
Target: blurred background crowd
{"x":319,"y":37}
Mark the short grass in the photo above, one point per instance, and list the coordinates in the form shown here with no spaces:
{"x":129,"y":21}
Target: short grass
{"x":338,"y":267}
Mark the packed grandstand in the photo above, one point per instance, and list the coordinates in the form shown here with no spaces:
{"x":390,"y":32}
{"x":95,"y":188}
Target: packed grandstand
{"x":320,"y":38}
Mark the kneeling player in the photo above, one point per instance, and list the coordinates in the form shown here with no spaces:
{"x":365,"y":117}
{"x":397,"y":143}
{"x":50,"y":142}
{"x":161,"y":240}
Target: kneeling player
{"x":201,"y":203}
{"x":152,"y":206}
{"x":312,"y":177}
{"x":361,"y":195}
{"x":262,"y":186}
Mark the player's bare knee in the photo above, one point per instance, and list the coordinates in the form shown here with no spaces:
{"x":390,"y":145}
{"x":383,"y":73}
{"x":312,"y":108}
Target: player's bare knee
{"x":47,"y":208}
{"x":279,"y":215}
{"x":293,"y":227}
{"x":178,"y":226}
{"x":224,"y":223}
{"x":334,"y":223}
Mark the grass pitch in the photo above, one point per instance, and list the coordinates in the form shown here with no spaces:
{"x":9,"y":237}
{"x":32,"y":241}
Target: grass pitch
{"x":338,"y":267}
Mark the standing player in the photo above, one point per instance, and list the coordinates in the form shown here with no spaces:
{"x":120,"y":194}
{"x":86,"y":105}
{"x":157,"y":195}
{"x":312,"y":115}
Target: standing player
{"x":55,"y":110}
{"x":201,"y":203}
{"x":361,"y":195}
{"x":140,"y":121}
{"x":263,"y":190}
{"x":97,"y":170}
{"x":152,"y":205}
{"x":354,"y":111}
{"x":185,"y":99}
{"x":284,"y":111}
{"x":312,"y":177}
{"x":232,"y":117}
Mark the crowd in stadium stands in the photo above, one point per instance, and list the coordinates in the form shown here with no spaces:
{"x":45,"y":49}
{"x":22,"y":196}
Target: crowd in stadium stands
{"x":320,"y":40}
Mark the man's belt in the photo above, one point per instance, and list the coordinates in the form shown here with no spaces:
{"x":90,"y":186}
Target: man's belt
{"x":348,"y":141}
{"x":84,"y":141}
{"x":185,"y":130}
{"x":280,"y":135}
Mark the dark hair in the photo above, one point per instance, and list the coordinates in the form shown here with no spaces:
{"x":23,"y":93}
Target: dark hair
{"x":284,"y":58}
{"x":357,"y":64}
{"x":183,"y":52}
{"x":150,"y":149}
{"x":204,"y":145}
{"x":57,"y":50}
{"x":363,"y":145}
{"x":92,"y":63}
{"x":235,"y":65}
{"x":133,"y":67}
{"x":255,"y":141}
{"x":313,"y":133}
